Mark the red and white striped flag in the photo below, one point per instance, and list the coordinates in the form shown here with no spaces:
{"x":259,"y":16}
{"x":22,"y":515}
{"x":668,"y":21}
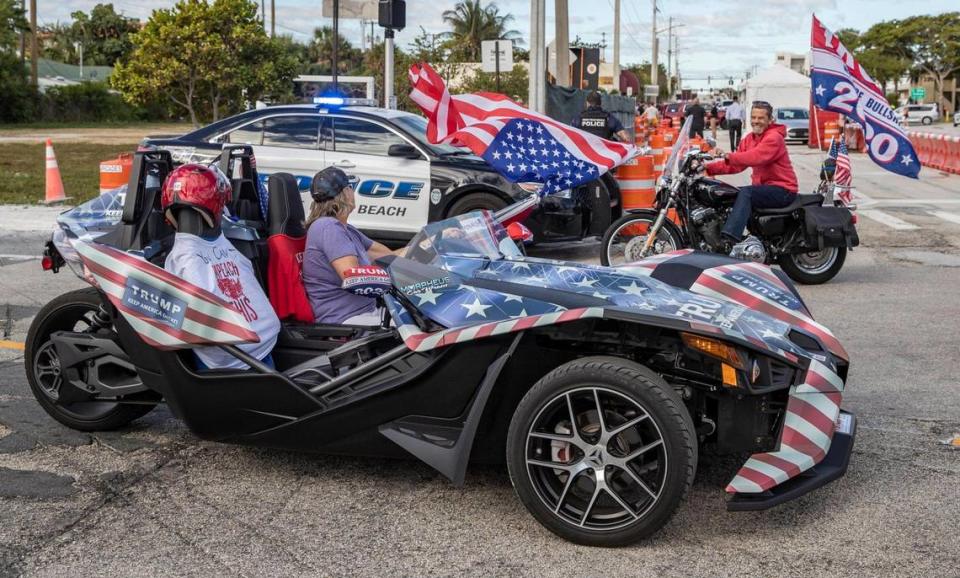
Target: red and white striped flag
{"x":476,"y":120}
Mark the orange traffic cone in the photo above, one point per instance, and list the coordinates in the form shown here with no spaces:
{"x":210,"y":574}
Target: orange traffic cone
{"x":55,"y":193}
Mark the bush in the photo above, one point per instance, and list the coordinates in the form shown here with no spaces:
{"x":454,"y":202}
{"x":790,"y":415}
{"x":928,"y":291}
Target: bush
{"x":17,"y":97}
{"x":86,"y":102}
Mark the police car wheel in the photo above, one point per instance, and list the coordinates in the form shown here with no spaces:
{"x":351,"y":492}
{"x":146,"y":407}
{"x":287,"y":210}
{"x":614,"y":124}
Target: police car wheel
{"x":475,"y":202}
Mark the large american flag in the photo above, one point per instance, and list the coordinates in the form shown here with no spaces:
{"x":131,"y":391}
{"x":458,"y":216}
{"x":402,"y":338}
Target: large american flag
{"x":522,"y":145}
{"x":842,"y":177}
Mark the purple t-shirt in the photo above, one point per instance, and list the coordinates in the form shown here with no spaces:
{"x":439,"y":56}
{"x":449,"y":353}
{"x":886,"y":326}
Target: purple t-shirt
{"x":328,"y":240}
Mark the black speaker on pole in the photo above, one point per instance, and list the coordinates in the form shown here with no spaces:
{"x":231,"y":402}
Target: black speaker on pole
{"x":393,"y":14}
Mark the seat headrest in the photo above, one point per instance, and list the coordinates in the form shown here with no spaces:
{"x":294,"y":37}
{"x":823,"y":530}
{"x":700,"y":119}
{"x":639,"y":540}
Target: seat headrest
{"x":285,"y":206}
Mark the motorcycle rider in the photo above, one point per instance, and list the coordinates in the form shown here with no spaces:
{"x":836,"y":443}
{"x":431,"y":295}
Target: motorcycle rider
{"x":773,"y":182}
{"x":595,"y":120}
{"x":192,"y":199}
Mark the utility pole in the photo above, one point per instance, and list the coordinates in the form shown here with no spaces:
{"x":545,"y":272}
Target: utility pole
{"x":653,"y":44}
{"x":23,"y":37}
{"x":670,"y":56}
{"x":562,"y":43}
{"x":676,"y":62}
{"x":336,"y":42}
{"x":33,"y":43}
{"x":273,"y":18}
{"x":616,"y":45}
{"x":538,"y":23}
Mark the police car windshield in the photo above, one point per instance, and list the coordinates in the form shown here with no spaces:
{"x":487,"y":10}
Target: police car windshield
{"x":417,"y":127}
{"x":476,"y":234}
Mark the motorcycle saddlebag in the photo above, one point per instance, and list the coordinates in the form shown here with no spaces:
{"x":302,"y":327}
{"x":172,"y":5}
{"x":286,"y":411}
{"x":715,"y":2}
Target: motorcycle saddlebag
{"x":830,"y":227}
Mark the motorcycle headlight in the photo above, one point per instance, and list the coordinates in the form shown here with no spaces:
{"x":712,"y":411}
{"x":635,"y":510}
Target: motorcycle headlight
{"x":534,"y":188}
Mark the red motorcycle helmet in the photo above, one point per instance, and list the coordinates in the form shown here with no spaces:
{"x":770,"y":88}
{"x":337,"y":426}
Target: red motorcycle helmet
{"x":203,"y":188}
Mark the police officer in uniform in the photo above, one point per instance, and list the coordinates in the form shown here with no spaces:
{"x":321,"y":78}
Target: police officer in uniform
{"x":595,"y":120}
{"x":592,"y":198}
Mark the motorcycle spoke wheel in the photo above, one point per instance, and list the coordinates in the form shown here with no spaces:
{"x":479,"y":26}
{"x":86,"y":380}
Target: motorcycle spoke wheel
{"x":626,"y":244}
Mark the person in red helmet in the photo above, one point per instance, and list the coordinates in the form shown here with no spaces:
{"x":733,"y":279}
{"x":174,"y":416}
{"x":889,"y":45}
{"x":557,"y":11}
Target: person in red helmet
{"x":192,"y":200}
{"x":773,"y":183}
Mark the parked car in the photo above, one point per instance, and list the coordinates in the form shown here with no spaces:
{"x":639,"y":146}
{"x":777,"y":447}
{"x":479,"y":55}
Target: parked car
{"x":674,"y":110}
{"x":923,"y":113}
{"x":797,"y":121}
{"x":403,"y":181}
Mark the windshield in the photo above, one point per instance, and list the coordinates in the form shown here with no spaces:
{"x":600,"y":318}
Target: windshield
{"x":793,"y":114}
{"x":476,"y":234}
{"x":679,"y":148}
{"x":417,"y":127}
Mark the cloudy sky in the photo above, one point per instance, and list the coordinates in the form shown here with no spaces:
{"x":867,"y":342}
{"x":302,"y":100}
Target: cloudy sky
{"x":717,"y":37}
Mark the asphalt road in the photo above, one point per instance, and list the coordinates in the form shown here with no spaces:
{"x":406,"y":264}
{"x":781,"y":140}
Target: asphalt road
{"x":151,"y":499}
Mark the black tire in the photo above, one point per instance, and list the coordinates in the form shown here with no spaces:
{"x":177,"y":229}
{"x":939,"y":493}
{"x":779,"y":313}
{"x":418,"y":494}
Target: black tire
{"x":63,"y":314}
{"x":619,"y":381}
{"x":614,"y":234}
{"x":927,"y":120}
{"x":476,"y":201}
{"x":812,"y":276}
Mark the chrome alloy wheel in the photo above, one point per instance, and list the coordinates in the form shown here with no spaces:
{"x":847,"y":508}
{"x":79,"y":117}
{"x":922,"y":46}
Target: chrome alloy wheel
{"x":816,"y":262}
{"x":596,"y":458}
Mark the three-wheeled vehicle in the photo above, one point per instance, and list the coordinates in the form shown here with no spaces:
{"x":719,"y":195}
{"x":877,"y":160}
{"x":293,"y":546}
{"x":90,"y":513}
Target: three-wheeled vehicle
{"x":597,"y":386}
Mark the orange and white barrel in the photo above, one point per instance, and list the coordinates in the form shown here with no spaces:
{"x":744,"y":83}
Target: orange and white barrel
{"x":658,"y":152}
{"x":636,"y":181}
{"x":115,"y":173}
{"x":831,"y":131}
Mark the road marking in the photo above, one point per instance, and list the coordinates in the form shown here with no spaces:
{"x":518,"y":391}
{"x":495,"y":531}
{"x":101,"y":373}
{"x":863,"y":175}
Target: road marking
{"x":4,"y":344}
{"x":888,"y":220}
{"x":19,"y":257}
{"x":952,"y":217}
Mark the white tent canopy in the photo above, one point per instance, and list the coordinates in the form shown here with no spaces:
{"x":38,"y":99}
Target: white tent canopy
{"x":780,"y":86}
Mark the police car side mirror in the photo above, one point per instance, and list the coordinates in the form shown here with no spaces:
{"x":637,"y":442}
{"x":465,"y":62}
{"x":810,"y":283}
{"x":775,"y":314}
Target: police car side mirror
{"x":403,"y":150}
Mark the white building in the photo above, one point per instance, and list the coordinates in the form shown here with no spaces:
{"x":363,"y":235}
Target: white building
{"x":795,"y":62}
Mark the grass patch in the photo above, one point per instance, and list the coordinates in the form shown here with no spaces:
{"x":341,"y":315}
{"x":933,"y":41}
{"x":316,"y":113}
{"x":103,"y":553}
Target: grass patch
{"x":166,"y":126}
{"x":23,"y":170}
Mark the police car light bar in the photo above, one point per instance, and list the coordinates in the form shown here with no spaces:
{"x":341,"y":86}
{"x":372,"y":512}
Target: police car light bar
{"x":340,"y":101}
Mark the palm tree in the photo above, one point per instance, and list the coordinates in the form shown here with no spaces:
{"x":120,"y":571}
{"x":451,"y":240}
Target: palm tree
{"x":473,"y":23}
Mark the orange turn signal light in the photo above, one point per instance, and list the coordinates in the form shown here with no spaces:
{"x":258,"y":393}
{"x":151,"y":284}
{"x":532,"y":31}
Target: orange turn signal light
{"x":714,"y":348}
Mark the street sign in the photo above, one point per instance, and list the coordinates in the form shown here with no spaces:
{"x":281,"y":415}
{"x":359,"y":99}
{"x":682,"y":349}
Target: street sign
{"x":496,"y":55}
{"x":352,"y":9}
{"x":918,"y":93}
{"x":651,"y":89}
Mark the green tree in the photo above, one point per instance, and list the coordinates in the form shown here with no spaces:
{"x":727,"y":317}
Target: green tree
{"x":878,"y":50}
{"x":473,"y":23}
{"x":320,"y":53}
{"x":932,"y":43}
{"x":106,"y":35}
{"x":17,"y":97}
{"x":513,"y":83}
{"x":208,"y":58}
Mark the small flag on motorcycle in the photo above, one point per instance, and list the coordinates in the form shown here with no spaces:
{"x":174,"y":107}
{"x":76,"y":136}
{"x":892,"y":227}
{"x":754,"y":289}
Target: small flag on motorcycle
{"x":842,"y":177}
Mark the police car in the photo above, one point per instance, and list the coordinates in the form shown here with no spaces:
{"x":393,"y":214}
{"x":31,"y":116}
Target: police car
{"x":402,"y":181}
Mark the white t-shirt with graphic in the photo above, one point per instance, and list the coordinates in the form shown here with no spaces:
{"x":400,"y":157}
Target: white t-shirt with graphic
{"x":222,"y":270}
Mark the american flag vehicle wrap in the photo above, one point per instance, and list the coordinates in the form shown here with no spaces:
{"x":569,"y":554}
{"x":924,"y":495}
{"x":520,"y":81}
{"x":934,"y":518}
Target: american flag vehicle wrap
{"x":809,"y":424}
{"x":741,"y":302}
{"x":165,"y":311}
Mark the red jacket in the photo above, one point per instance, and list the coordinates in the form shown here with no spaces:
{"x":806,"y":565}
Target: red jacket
{"x":766,"y":154}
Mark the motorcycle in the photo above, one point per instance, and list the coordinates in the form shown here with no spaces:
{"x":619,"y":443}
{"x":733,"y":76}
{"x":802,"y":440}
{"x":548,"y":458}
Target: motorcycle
{"x":809,"y":238}
{"x":596,"y":386}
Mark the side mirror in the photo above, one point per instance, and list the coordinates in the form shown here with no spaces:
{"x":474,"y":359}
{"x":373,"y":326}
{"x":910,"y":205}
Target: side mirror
{"x":367,"y":281}
{"x":519,"y":233}
{"x":403,"y":150}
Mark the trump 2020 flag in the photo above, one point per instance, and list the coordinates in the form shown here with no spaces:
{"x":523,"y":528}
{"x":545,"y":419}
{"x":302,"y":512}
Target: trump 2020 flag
{"x":522,"y":145}
{"x":840,"y":84}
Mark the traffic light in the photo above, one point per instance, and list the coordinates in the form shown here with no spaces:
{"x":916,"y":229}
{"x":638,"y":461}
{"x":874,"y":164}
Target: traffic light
{"x":393,"y":14}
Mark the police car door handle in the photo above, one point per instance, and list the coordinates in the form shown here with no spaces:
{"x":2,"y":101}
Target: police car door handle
{"x":344,"y":164}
